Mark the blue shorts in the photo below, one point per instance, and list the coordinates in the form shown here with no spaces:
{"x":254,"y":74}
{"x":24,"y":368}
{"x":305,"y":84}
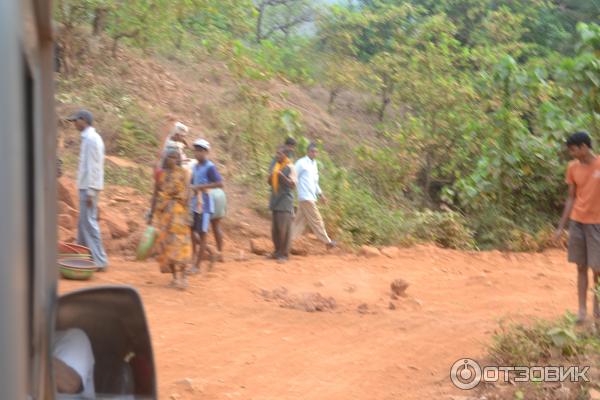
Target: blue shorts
{"x":201,"y":222}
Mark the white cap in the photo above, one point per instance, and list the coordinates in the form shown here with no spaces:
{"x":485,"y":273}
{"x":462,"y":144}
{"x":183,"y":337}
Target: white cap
{"x":181,"y":129}
{"x":202,"y":143}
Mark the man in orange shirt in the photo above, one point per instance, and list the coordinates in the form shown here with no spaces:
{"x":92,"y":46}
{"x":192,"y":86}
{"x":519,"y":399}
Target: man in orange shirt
{"x":583,"y":209}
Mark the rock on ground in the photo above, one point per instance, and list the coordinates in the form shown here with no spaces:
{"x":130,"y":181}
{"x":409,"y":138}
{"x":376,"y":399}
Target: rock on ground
{"x":65,"y":235}
{"x":369,"y":252}
{"x":309,"y":302}
{"x":363,"y":308}
{"x":301,"y":247}
{"x":104,"y":231}
{"x":390,"y":252}
{"x":261,"y":246}
{"x":116,"y":224}
{"x":66,"y":221}
{"x":399,"y":286}
{"x":67,"y":191}
{"x":64,"y":208}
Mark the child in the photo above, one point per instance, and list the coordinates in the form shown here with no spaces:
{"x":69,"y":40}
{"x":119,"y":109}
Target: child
{"x":583,"y":209}
{"x":204,"y":177}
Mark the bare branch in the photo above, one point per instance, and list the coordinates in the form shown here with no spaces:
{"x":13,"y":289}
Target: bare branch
{"x":307,"y":17}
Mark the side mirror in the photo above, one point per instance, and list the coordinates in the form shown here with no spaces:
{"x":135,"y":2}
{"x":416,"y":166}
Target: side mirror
{"x":113,"y":319}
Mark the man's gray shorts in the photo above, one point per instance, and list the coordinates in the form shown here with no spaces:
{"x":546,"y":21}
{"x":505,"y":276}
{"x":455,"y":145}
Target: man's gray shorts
{"x":584,"y":244}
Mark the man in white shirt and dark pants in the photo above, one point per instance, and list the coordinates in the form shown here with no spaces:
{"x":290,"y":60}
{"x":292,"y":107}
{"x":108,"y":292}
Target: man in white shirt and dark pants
{"x":309,"y":192}
{"x":90,"y":181}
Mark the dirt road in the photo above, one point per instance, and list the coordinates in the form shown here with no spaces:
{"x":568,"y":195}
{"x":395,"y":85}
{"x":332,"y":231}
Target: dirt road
{"x":231,"y":343}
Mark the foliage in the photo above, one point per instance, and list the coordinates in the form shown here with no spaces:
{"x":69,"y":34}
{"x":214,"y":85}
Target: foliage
{"x":540,"y":343}
{"x":473,"y":99}
{"x":552,"y":343}
{"x":137,"y":178}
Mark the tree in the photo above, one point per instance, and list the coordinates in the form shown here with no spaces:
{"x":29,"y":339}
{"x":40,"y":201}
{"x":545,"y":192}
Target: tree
{"x":281,"y":16}
{"x":582,"y":73}
{"x":70,"y":14}
{"x":336,"y":42}
{"x":435,"y":86}
{"x":142,"y":21}
{"x":386,"y":69}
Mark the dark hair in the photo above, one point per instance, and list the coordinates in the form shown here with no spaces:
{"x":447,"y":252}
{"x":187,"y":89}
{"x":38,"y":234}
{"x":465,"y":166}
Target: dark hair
{"x":290,"y":141}
{"x":169,"y":151}
{"x":311,"y":146}
{"x":579,"y":138}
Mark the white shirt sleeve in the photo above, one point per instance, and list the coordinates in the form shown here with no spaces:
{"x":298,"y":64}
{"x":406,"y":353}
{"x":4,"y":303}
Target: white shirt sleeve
{"x":298,"y":166}
{"x":74,"y":349}
{"x":319,"y":191}
{"x":82,"y":177}
{"x":95,"y":165}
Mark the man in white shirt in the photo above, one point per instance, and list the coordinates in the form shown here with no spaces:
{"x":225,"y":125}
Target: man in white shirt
{"x":73,"y":365}
{"x":90,"y":181}
{"x":309,"y":192}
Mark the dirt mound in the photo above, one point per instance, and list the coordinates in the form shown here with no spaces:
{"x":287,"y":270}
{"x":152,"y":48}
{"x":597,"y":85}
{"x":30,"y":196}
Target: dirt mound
{"x":309,"y":302}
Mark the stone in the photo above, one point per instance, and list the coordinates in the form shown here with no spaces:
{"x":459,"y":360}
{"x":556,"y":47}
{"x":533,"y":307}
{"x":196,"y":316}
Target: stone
{"x":187,"y":384}
{"x":67,"y":191}
{"x":116,"y":224}
{"x":369,"y":251}
{"x":104,"y":231}
{"x":241,"y":256}
{"x":120,"y":199}
{"x":390,"y":252}
{"x":350,"y":288}
{"x":399,"y":286}
{"x":300,"y":247}
{"x":363,"y":308}
{"x":261,"y":246}
{"x":66,"y":235}
{"x":66,"y":221}
{"x":64,"y":208}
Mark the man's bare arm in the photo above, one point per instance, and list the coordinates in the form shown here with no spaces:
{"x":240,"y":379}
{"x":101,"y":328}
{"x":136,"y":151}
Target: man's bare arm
{"x":206,"y":186}
{"x":566,"y":212}
{"x":67,"y":380}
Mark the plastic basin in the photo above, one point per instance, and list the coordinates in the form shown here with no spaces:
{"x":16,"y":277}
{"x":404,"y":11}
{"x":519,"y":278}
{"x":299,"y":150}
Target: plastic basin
{"x":77,"y":269}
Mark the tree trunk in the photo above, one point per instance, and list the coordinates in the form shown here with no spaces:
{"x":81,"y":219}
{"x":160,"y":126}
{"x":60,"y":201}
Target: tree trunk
{"x":115,"y":46}
{"x":385,"y":100}
{"x":119,"y":36}
{"x":333,"y":93}
{"x":65,"y":50}
{"x":99,"y":23}
{"x":259,"y":21}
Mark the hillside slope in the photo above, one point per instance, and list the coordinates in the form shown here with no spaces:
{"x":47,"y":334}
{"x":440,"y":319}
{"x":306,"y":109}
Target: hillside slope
{"x":136,"y":98}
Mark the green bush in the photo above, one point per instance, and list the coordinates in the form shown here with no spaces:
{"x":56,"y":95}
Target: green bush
{"x":136,"y":141}
{"x":446,"y":229}
{"x":137,"y":178}
{"x":541,"y":342}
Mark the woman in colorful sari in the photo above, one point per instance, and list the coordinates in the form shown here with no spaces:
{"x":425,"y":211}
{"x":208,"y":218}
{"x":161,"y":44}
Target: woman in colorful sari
{"x":173,"y":219}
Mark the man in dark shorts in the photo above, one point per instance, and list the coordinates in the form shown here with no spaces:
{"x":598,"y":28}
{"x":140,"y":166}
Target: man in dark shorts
{"x":204,"y":177}
{"x":582,"y":207}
